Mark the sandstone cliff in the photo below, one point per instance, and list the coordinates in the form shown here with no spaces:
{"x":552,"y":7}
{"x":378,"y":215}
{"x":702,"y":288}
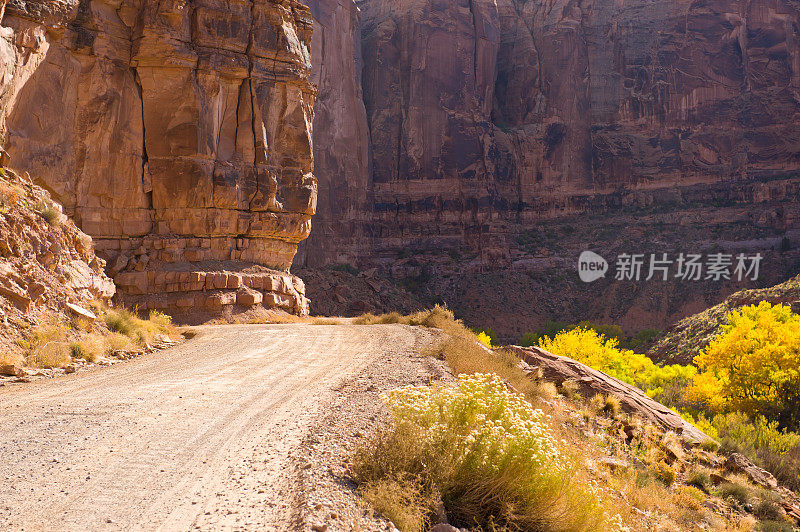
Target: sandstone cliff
{"x":487,"y":117}
{"x":177,"y":134}
{"x":505,"y":136}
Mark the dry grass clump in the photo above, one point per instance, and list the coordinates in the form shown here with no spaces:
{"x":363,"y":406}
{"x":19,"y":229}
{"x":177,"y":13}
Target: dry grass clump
{"x":326,"y":321}
{"x":479,"y":451}
{"x":50,"y":355}
{"x":55,"y":344}
{"x":607,"y":405}
{"x":50,"y":214}
{"x":48,"y":345}
{"x":439,"y":317}
{"x":90,"y":348}
{"x":10,"y":358}
{"x":142,"y":332}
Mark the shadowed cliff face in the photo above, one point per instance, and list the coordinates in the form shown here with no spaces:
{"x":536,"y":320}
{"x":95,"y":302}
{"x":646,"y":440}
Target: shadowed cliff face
{"x":487,"y":117}
{"x":174,"y":128}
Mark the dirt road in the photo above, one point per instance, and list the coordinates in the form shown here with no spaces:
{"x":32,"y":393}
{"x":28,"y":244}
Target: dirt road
{"x":203,"y":435}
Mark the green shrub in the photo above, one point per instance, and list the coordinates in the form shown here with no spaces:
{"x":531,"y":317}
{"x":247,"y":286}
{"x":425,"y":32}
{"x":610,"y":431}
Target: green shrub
{"x":120,"y":321}
{"x":775,"y":526}
{"x":734,"y":492}
{"x":125,"y":322}
{"x":700,"y":480}
{"x":529,"y":339}
{"x":89,"y":348}
{"x":776,"y":450}
{"x":344,"y":267}
{"x":484,"y":452}
{"x":768,"y":510}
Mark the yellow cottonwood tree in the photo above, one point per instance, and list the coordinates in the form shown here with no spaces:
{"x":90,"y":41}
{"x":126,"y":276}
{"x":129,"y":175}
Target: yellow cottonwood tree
{"x":754,"y":365}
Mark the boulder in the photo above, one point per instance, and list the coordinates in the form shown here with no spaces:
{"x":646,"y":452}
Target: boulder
{"x":81,"y":312}
{"x":592,"y":382}
{"x":12,"y":370}
{"x":738,"y":463}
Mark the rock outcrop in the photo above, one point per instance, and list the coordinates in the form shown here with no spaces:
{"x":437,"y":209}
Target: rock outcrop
{"x":341,"y":135}
{"x":591,"y":382}
{"x":490,"y":116}
{"x":177,"y":134}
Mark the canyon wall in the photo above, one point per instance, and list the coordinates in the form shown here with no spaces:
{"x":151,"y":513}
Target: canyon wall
{"x":484,"y":118}
{"x":177,"y":134}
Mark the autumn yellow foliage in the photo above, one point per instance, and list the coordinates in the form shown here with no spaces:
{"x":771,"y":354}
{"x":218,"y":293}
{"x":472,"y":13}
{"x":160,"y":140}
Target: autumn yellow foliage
{"x":604,"y":354}
{"x":754,"y":365}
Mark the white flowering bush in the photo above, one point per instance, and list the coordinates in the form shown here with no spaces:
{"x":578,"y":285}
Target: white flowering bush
{"x":489,"y":427}
{"x":478,"y":449}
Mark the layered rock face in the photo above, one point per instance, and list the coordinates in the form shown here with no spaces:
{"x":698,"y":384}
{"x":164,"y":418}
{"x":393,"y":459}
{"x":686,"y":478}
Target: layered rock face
{"x":177,"y":134}
{"x":489,"y":116}
{"x":341,"y":136}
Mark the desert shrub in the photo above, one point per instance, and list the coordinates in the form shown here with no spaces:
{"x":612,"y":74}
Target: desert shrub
{"x":774,"y":449}
{"x":734,"y":492}
{"x":50,"y":214}
{"x":775,"y":526}
{"x":550,"y":328}
{"x":608,"y":405}
{"x":700,"y":480}
{"x":754,"y":365}
{"x":117,"y":342}
{"x":529,"y":339}
{"x":78,"y":350}
{"x":50,"y":355}
{"x":643,"y":338}
{"x":768,"y":510}
{"x":402,"y":501}
{"x":570,"y":389}
{"x":326,"y":321}
{"x":120,"y":321}
{"x":664,"y":473}
{"x":125,"y":322}
{"x":483,"y":451}
{"x":609,"y":331}
{"x":597,"y":351}
{"x":47,"y":345}
{"x":342,"y":267}
{"x":785,"y":466}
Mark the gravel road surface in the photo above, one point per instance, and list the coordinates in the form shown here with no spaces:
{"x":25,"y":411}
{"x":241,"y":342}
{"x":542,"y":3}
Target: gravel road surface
{"x":212,"y":434}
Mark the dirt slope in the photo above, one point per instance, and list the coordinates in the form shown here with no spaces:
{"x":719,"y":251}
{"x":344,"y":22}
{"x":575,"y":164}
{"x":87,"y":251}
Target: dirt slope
{"x":214,"y":434}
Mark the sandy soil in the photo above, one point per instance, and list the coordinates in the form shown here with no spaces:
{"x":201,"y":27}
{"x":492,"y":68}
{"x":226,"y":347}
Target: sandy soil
{"x":241,"y":428}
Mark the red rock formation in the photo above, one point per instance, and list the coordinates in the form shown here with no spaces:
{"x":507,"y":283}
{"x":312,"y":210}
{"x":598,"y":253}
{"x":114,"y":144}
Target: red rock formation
{"x":487,"y":116}
{"x":341,"y":138}
{"x":175,"y":133}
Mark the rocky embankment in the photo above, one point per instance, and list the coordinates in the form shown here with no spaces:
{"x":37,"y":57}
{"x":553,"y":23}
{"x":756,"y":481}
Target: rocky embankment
{"x":48,"y":267}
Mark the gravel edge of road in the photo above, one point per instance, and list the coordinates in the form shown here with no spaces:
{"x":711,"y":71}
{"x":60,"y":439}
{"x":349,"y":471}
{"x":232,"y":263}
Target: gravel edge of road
{"x":327,"y":498}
